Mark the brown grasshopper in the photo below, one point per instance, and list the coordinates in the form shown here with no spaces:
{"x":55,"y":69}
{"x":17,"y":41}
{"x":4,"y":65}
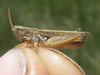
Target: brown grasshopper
{"x":49,"y":38}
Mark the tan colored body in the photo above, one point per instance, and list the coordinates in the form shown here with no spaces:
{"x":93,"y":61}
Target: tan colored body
{"x":50,"y":38}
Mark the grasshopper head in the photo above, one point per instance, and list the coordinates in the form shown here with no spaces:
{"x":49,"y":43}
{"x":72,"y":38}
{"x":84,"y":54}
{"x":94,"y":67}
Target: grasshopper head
{"x":22,"y":33}
{"x":18,"y":32}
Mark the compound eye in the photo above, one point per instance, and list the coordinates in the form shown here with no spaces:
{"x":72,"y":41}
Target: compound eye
{"x":15,"y":27}
{"x":19,"y":28}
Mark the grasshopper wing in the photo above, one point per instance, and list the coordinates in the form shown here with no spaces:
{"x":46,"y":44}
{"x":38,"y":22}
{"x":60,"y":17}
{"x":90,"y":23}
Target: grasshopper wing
{"x":57,"y":41}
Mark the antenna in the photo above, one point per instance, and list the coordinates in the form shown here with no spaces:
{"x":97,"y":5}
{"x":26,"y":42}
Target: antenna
{"x":9,"y":17}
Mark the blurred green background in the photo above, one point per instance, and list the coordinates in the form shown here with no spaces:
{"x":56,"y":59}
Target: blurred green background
{"x":56,"y":15}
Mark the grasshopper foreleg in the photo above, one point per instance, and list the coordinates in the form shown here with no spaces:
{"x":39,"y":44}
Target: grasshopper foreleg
{"x":35,"y":40}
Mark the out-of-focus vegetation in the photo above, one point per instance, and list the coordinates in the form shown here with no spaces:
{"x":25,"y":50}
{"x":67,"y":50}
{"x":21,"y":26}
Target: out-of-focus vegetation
{"x":58,"y":15}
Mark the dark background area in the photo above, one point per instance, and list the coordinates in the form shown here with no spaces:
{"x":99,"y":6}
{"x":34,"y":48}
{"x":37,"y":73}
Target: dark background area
{"x":65,"y":15}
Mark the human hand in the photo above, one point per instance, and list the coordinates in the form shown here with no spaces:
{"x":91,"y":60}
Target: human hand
{"x":48,"y":61}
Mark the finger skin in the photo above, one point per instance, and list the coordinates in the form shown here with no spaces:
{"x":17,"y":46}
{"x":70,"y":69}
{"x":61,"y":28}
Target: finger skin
{"x":34,"y":63}
{"x":9,"y":63}
{"x":48,"y":61}
{"x":59,"y":64}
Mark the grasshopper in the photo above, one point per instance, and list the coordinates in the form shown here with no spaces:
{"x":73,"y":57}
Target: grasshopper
{"x":49,"y":38}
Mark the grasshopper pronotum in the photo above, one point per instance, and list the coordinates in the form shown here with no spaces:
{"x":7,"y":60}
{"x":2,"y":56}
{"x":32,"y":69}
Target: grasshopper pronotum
{"x":49,"y":38}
